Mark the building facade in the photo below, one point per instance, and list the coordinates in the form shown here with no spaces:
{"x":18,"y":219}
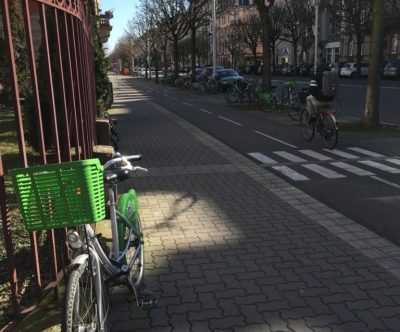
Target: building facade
{"x":335,"y":42}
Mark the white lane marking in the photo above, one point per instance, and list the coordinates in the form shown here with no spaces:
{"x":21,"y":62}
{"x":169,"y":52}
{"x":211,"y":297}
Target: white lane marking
{"x":385,"y":181}
{"x":205,"y":111}
{"x":263,"y":158}
{"x":190,"y":105}
{"x":342,"y":154}
{"x":289,"y":156}
{"x":173,"y":98}
{"x":380,"y":166}
{"x":323,"y":171}
{"x":366,"y":152}
{"x":229,"y":120}
{"x":315,"y":155}
{"x":275,"y":139}
{"x":352,"y":169}
{"x":394,"y":161}
{"x":290,"y":173}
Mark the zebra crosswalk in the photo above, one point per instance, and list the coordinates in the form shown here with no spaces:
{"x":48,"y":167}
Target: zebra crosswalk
{"x":302,"y":165}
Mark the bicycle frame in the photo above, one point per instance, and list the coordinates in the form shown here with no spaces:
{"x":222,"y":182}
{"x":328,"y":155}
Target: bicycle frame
{"x":117,"y":254}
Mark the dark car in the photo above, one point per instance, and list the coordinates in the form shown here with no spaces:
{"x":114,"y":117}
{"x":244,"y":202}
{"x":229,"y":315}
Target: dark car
{"x":247,"y":69}
{"x":305,"y":69}
{"x":198,"y":71}
{"x":392,"y":69}
{"x":288,"y":70}
{"x":225,"y":75}
{"x":209,"y":70}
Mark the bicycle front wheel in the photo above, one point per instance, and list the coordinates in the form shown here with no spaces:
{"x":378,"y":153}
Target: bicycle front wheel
{"x":329,"y":131}
{"x":294,"y":110}
{"x":195,"y":87}
{"x":135,"y":257}
{"x":234,"y":95}
{"x":284,"y":96}
{"x":307,"y":126}
{"x":267,"y":102}
{"x":81,"y":312}
{"x":337,"y":106}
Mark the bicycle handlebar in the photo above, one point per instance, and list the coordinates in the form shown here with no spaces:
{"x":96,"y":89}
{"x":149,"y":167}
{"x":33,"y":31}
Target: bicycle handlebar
{"x":125,"y":162}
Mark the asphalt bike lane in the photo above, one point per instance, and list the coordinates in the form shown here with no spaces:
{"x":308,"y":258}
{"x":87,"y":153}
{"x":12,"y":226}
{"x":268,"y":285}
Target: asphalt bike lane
{"x":362,"y":184}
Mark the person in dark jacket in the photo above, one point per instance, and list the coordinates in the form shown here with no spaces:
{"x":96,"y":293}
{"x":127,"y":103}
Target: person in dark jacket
{"x":316,"y":98}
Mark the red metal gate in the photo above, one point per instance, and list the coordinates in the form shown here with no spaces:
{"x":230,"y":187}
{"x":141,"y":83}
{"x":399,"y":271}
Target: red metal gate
{"x":58,"y":46}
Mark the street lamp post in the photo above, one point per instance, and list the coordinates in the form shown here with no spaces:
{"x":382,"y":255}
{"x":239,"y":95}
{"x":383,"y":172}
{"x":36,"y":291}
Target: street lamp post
{"x":214,"y":38}
{"x":316,"y":4}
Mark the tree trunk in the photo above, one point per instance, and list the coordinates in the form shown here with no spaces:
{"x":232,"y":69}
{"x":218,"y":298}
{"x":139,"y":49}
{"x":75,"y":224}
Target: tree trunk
{"x":255,"y":55}
{"x":371,"y":113}
{"x":193,"y":53}
{"x":359,"y":46}
{"x":165,"y":59}
{"x":294,"y":72}
{"x":273,"y":55}
{"x":266,"y":42}
{"x":176,"y":57}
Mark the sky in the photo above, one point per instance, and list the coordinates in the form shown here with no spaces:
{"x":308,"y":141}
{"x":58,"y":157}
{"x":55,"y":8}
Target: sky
{"x":123,"y":11}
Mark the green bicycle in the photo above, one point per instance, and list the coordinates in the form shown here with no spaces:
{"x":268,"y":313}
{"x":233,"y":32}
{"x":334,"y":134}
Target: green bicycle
{"x":72,"y":195}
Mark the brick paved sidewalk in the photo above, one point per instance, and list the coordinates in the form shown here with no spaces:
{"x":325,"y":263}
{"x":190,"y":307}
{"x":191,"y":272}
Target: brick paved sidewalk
{"x":232,"y":247}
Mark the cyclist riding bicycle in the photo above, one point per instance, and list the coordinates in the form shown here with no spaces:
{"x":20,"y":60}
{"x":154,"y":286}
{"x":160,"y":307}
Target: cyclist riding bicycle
{"x":323,"y":88}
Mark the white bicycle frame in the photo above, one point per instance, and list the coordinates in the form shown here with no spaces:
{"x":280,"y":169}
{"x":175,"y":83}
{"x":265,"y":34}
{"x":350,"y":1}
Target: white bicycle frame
{"x":96,"y":253}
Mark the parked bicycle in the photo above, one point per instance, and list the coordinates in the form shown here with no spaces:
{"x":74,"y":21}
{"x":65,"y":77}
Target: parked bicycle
{"x":290,"y":99}
{"x":238,"y":91}
{"x":72,"y":195}
{"x":324,"y":122}
{"x":204,"y":85}
{"x":114,"y":137}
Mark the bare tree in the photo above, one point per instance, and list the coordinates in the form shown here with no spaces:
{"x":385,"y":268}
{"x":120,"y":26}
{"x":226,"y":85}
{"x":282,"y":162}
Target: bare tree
{"x":197,"y":15}
{"x":264,"y":8}
{"x":250,"y":31}
{"x":232,"y":40}
{"x":297,"y":18}
{"x":371,"y":113}
{"x":172,"y":23}
{"x":355,"y":16}
{"x":276,"y":16}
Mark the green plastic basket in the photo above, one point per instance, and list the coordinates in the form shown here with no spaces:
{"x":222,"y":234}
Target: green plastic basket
{"x":60,"y":195}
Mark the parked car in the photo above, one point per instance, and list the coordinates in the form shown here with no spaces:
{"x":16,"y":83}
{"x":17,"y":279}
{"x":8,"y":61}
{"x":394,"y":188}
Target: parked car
{"x":247,"y":69}
{"x":349,"y":69}
{"x":305,"y":69}
{"x":198,"y":72}
{"x":209,"y":70}
{"x":225,"y":75}
{"x":392,"y":69}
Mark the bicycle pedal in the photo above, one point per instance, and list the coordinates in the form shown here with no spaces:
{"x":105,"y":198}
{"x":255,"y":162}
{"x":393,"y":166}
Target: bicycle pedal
{"x":147,"y":303}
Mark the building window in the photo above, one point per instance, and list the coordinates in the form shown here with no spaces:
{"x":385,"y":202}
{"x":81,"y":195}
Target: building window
{"x":395,"y":43}
{"x":244,"y":2}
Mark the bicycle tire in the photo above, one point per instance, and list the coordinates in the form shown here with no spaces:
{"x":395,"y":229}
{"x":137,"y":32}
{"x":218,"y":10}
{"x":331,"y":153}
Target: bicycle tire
{"x":337,"y":106}
{"x":294,"y":110}
{"x":267,"y":103}
{"x":226,"y":94}
{"x":80,"y":308}
{"x":136,"y":273}
{"x":234,"y":96}
{"x":329,"y":131}
{"x":284,"y":95}
{"x":307,"y":129}
{"x":195,"y":87}
{"x":213,"y":86}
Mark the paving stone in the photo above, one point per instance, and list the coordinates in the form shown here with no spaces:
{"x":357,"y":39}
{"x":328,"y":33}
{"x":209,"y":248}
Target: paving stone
{"x":230,"y":243}
{"x":227,"y":322}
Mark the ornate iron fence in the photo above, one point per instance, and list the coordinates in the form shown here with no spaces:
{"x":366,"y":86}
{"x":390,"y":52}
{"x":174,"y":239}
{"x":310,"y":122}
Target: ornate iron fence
{"x":50,"y":87}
